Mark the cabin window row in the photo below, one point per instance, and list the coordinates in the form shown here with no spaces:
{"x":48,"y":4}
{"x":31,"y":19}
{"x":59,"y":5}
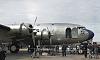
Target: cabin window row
{"x":71,"y":33}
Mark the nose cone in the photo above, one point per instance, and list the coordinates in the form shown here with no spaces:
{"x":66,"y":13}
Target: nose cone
{"x":91,"y":34}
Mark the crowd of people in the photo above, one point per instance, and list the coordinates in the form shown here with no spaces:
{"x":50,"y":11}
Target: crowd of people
{"x":93,"y":50}
{"x":2,"y":54}
{"x":89,"y":50}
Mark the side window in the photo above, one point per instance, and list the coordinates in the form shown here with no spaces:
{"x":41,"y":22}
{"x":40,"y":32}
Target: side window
{"x":68,"y":33}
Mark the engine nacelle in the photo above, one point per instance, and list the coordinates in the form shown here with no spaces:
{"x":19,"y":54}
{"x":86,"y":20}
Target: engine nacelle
{"x":38,"y":35}
{"x":43,"y":35}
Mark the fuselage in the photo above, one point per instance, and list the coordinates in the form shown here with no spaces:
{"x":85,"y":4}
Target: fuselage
{"x":60,"y":33}
{"x":65,"y":33}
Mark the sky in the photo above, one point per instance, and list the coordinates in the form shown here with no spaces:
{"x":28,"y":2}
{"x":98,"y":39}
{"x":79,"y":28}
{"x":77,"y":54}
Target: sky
{"x":82,"y":12}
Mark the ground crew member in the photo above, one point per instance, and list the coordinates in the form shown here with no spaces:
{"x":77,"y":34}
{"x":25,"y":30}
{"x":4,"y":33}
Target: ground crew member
{"x":95,"y":50}
{"x":57,"y":49}
{"x":90,"y":47}
{"x":64,"y":50}
{"x":85,"y":50}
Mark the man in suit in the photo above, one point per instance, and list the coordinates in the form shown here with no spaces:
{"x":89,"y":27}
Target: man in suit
{"x":85,"y":49}
{"x":64,"y":49}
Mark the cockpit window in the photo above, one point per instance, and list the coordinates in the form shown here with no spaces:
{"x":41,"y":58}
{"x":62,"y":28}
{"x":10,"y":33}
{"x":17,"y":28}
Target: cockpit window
{"x":81,"y":27}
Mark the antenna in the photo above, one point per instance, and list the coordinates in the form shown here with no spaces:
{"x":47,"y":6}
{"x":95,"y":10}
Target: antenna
{"x":35,"y":21}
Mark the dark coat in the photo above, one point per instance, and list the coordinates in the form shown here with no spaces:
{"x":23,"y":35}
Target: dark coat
{"x":64,"y":47}
{"x":2,"y":55}
{"x":85,"y":46}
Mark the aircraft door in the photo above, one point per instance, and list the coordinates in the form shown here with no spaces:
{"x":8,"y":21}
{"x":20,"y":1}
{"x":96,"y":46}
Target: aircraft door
{"x":74,"y":33}
{"x":68,"y":33}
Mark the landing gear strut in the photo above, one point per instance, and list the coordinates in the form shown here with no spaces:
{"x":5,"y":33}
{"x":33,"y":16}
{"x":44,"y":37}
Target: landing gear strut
{"x":36,"y":53}
{"x":31,"y":48}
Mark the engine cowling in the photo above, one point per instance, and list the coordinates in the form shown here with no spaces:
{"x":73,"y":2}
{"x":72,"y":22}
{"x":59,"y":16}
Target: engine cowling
{"x":43,"y":35}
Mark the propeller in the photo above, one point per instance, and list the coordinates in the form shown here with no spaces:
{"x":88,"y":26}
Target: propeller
{"x":33,"y":36}
{"x":28,"y":26}
{"x":49,"y":33}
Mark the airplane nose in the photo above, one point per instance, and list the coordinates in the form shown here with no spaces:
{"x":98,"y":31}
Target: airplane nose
{"x":91,"y":34}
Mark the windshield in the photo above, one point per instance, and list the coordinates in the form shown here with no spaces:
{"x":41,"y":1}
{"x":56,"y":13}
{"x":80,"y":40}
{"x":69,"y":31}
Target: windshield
{"x":81,"y":27}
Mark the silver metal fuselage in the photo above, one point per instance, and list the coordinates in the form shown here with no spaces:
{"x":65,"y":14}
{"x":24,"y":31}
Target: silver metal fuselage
{"x":57,"y":31}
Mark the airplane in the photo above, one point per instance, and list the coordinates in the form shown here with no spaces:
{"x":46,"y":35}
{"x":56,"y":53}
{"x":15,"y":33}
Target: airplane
{"x":46,"y":33}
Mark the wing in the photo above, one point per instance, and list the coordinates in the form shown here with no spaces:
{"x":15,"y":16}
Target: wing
{"x":4,"y":28}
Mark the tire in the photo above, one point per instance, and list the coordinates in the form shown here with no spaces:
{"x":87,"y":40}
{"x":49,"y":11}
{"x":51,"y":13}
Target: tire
{"x":14,"y":48}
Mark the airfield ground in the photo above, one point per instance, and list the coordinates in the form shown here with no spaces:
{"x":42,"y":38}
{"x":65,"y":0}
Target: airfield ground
{"x":27,"y":56}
